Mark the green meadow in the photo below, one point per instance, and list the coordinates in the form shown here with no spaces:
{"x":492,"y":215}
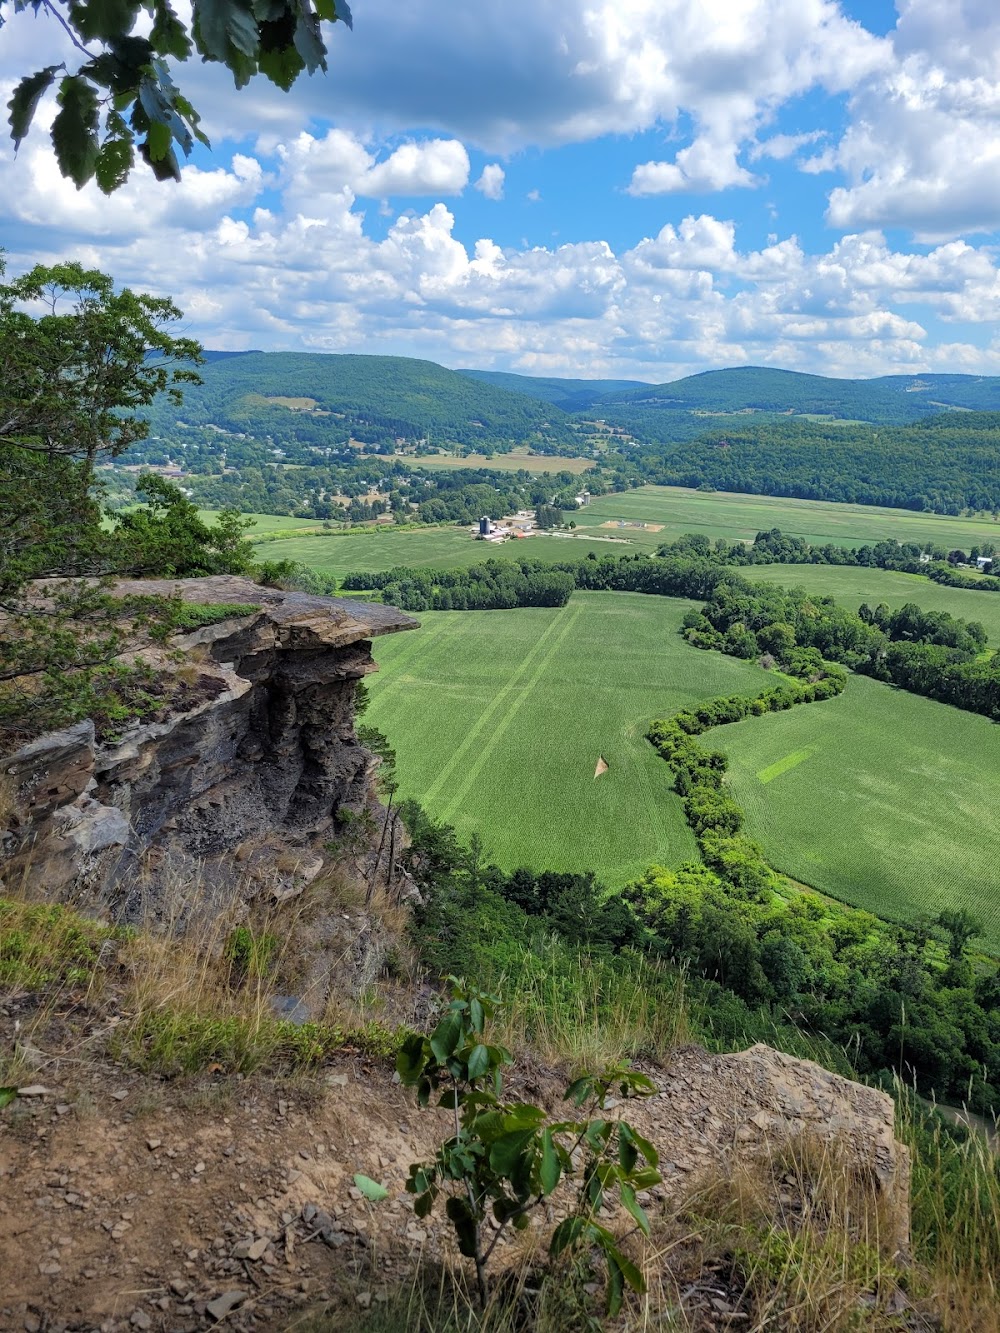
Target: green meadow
{"x":726,"y":514}
{"x":851,"y":587}
{"x":499,"y":719}
{"x":441,"y":548}
{"x":669,"y":511}
{"x":880,"y":798}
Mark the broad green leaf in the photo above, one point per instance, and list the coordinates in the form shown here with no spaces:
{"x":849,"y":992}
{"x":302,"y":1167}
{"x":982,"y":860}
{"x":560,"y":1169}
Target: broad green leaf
{"x":74,"y":130}
{"x":550,"y":1169}
{"x":114,"y":162}
{"x":156,"y":95}
{"x":523,"y":1116}
{"x":645,"y":1178}
{"x":104,"y":20}
{"x":282,"y":65}
{"x":479,"y":1061}
{"x":158,"y":140}
{"x":629,"y":1271}
{"x":371,"y":1189}
{"x":224,"y":30}
{"x":616,"y":1288}
{"x":344,"y":13}
{"x":309,"y":42}
{"x":169,"y":35}
{"x":567,"y":1233}
{"x":447,"y":1036}
{"x":411,"y":1058}
{"x":644,"y":1146}
{"x":579,"y":1090}
{"x":505,"y":1155}
{"x":164,"y":168}
{"x":460,"y":1215}
{"x":7,"y":1095}
{"x":633,"y":1206}
{"x":477,"y":1015}
{"x":23,"y":105}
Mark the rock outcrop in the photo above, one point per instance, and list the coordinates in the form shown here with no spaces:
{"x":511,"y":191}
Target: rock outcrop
{"x":713,"y":1112}
{"x":266,"y":759}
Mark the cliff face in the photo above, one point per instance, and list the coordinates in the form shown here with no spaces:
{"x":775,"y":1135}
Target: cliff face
{"x":250,"y":780}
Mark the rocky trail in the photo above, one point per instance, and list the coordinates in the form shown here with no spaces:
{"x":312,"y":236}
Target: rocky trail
{"x":128,"y":1203}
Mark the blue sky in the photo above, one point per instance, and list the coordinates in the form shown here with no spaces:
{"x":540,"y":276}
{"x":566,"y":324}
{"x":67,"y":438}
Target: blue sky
{"x":643,"y":188}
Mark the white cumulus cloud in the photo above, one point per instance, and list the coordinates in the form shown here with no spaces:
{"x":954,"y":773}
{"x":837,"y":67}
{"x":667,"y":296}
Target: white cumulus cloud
{"x":490,"y":182}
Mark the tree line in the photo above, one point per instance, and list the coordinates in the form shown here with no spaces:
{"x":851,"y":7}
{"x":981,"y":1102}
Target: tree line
{"x":944,"y":464}
{"x":899,"y":997}
{"x":494,"y":585}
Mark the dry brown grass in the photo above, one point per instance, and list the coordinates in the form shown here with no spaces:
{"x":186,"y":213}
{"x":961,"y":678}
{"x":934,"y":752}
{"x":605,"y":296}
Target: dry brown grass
{"x":797,"y":1242}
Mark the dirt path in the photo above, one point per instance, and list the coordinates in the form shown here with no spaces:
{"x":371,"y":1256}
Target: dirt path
{"x":127,"y":1203}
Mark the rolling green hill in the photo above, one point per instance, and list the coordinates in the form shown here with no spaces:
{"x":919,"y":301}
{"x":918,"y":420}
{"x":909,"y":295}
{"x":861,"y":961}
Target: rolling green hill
{"x":570,"y":395}
{"x":367,"y":398}
{"x":762,"y":389}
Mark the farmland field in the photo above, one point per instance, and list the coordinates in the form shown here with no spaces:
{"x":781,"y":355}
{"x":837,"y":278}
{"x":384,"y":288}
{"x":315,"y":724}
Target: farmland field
{"x":851,"y":587}
{"x":267,"y":523}
{"x":442,"y":548}
{"x":500,"y":717}
{"x":726,"y":514}
{"x":672,"y":510}
{"x":880,"y":798}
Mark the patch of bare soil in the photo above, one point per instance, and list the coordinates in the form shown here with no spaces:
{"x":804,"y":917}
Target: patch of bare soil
{"x":602,"y":766}
{"x":132,"y":1203}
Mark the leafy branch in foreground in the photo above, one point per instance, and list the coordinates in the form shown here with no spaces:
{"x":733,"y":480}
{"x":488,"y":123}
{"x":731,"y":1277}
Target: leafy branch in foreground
{"x":124,"y":78}
{"x":506,"y":1158}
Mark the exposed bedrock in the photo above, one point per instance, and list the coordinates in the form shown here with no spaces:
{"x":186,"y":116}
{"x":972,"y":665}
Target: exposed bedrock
{"x":266,"y":759}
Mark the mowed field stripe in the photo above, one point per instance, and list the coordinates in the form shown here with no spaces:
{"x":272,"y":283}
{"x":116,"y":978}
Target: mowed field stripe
{"x":420,"y":644}
{"x":489,"y":711}
{"x":785,"y":765}
{"x":523,"y":692}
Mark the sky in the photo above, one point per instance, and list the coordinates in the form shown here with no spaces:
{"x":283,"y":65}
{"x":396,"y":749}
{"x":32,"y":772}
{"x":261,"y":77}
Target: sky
{"x":635,"y":189}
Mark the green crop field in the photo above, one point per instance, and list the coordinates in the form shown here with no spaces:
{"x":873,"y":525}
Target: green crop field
{"x":725,"y":514}
{"x":500,"y":717}
{"x":441,"y":548}
{"x":851,"y":587}
{"x":669,"y":511}
{"x":880,"y":798}
{"x":267,"y":523}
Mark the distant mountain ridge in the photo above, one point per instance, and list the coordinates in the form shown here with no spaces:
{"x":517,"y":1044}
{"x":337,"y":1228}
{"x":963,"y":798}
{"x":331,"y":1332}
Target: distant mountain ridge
{"x":569,"y":394}
{"x":887,"y":398}
{"x":384,"y":396}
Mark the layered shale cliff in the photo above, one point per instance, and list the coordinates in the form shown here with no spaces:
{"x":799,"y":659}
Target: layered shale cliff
{"x":249,"y":781}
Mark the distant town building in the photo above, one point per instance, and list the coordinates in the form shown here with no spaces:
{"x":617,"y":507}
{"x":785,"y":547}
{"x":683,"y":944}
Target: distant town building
{"x":485,"y":527}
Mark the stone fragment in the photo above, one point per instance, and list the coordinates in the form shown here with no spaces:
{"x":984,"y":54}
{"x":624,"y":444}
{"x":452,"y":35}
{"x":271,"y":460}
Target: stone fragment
{"x":225,"y":1304}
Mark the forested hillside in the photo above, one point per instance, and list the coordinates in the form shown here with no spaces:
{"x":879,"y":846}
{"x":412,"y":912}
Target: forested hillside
{"x":295,"y":433}
{"x":326,"y":401}
{"x":946,"y":463}
{"x":762,"y":389}
{"x":570,"y":395}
